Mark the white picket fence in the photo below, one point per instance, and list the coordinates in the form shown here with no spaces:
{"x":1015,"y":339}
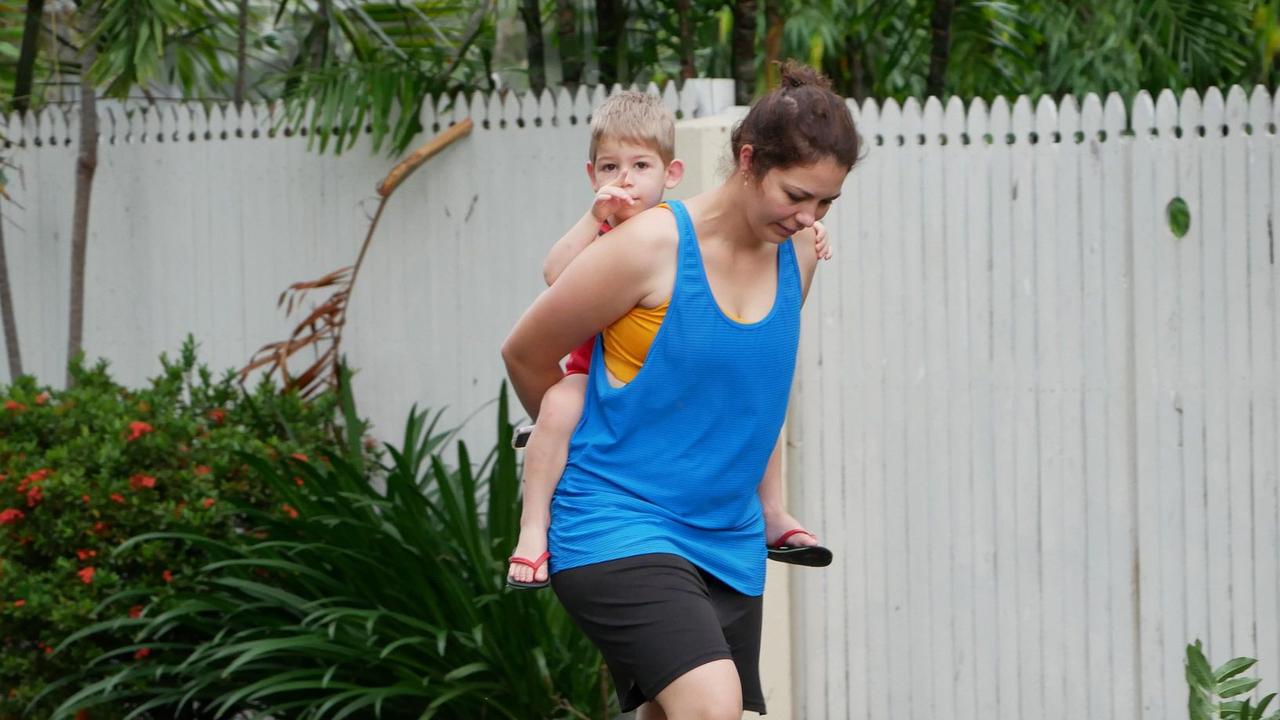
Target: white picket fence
{"x":1039,"y":430}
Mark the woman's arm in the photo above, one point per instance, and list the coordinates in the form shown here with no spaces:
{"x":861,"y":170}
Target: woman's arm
{"x":612,"y":275}
{"x":805,"y":245}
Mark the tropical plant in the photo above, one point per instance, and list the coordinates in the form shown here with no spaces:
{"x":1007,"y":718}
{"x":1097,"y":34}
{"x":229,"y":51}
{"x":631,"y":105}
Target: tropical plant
{"x":83,"y":469}
{"x":1210,"y":688}
{"x":365,"y":602}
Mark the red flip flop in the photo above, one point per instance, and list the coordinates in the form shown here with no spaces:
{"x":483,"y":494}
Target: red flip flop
{"x":535,"y":564}
{"x":807,"y":555}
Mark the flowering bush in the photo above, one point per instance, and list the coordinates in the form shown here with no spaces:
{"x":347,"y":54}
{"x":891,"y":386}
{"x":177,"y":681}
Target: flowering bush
{"x":84,"y":469}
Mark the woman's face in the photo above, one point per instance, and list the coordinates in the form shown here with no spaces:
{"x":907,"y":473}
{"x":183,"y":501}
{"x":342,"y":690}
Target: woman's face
{"x":793,"y":198}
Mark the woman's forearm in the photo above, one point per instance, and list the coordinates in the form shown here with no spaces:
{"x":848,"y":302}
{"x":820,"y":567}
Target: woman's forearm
{"x":529,"y":378}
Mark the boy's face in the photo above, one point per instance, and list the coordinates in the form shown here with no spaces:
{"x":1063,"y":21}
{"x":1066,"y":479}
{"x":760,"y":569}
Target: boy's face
{"x":636,"y":168}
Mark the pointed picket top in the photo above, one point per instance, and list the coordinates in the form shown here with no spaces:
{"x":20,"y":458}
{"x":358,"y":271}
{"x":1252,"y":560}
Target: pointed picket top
{"x":1144,"y":114}
{"x":479,"y":107}
{"x":1068,"y":120}
{"x":688,"y":101}
{"x":509,"y":112}
{"x":529,"y":109}
{"x":199,"y":122}
{"x":652,"y":89}
{"x":976,"y":121}
{"x":671,"y":98}
{"x":931,"y":121}
{"x":1166,"y":113}
{"x":1091,"y":115}
{"x":31,"y":128}
{"x":617,"y":88}
{"x":461,"y":109}
{"x":427,"y":115}
{"x":491,"y":111}
{"x":999,"y":123}
{"x":563,"y":106}
{"x":547,"y":108}
{"x":911,"y":121}
{"x":890,"y":122}
{"x":152,"y":125}
{"x":1213,"y":113}
{"x":953,"y":123}
{"x":106,"y":124}
{"x":1189,"y":115}
{"x":5,"y":135}
{"x":1023,"y":120}
{"x":868,"y":119}
{"x":1259,"y":109}
{"x":1237,"y":108}
{"x":444,"y":110}
{"x":581,"y":105}
{"x":1046,"y":119}
{"x":1275,"y":107}
{"x":44,"y":126}
{"x":598,"y":95}
{"x":217,"y":122}
{"x":1115,"y":117}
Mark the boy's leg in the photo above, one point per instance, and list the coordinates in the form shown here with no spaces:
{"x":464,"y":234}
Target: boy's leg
{"x":776,"y":518}
{"x":544,"y":459}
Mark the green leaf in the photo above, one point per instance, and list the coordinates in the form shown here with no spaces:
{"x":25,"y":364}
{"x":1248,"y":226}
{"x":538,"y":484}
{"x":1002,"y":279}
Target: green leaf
{"x":1232,"y":668}
{"x":1237,"y":686}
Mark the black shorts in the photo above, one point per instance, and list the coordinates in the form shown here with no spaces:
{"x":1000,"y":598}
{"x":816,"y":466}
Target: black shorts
{"x":656,"y":617}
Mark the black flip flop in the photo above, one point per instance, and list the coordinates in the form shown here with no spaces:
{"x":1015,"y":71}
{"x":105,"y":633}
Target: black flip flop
{"x":807,"y":555}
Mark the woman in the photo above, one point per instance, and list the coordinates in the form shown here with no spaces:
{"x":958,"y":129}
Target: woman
{"x":658,"y":535}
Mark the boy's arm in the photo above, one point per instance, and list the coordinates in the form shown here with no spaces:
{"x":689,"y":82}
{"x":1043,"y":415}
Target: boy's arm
{"x":609,"y":199}
{"x":567,"y":248}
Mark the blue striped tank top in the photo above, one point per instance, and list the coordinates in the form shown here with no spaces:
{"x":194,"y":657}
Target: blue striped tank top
{"x":671,"y":462}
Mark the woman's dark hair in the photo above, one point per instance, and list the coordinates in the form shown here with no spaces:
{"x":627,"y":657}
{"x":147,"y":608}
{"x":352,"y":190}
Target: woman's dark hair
{"x":797,"y":123}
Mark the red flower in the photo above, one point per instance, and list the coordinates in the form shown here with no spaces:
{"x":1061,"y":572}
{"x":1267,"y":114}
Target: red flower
{"x":19,"y":603}
{"x":85,"y":498}
{"x":82,"y":714}
{"x":288,"y":510}
{"x":86,"y":574}
{"x":218,"y":415}
{"x":142,"y":653}
{"x":34,"y":496}
{"x":42,"y":398}
{"x":48,"y":650}
{"x":117,"y":497}
{"x":300,"y":457}
{"x":208,"y":503}
{"x":137,"y":482}
{"x":137,"y":429}
{"x":202,"y":470}
{"x":298,"y":481}
{"x":101,"y":528}
{"x":8,"y":516}
{"x":14,"y":406}
{"x":86,"y":554}
{"x":168,"y":576}
{"x":135,"y":611}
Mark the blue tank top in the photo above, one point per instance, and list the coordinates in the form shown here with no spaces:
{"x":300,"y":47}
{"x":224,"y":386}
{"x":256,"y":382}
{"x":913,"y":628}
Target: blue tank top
{"x":671,"y":462}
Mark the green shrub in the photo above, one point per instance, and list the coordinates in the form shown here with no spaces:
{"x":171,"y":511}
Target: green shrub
{"x":1210,"y":689}
{"x":361,"y":603}
{"x":86,"y":468}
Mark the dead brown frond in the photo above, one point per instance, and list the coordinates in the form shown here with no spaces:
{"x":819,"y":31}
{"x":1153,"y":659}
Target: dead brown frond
{"x":321,"y":329}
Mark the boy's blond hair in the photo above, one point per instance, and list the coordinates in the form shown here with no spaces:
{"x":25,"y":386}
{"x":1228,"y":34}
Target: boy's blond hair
{"x":635,"y":117}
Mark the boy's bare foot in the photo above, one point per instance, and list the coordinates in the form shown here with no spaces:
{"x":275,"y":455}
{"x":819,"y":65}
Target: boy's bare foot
{"x":531,"y":545}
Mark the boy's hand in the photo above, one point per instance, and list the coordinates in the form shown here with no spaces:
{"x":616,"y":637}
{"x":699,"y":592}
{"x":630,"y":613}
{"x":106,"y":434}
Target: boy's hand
{"x":822,"y":247}
{"x":611,"y":198}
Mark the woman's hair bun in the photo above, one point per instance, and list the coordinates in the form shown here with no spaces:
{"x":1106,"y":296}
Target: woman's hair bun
{"x":795,"y":74}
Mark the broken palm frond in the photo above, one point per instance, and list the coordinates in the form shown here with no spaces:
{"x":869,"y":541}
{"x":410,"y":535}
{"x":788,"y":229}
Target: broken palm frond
{"x":322,"y":327}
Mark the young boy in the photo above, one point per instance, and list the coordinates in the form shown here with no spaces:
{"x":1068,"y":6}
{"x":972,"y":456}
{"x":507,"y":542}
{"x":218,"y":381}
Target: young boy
{"x":632,"y":163}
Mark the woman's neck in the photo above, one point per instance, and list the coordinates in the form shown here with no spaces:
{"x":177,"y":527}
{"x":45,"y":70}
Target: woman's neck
{"x":720,"y":214}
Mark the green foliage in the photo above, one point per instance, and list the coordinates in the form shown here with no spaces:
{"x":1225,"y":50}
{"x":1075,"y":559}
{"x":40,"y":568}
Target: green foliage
{"x":1209,"y":689}
{"x":86,"y":468}
{"x":360,"y":602}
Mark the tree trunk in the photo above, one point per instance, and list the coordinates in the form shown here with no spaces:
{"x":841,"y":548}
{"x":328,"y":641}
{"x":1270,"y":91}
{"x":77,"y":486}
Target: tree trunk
{"x":773,"y":41}
{"x":6,"y":309}
{"x":940,"y":31}
{"x":857,"y":69}
{"x":26,"y":68}
{"x":569,"y":42}
{"x":531,"y":11}
{"x":242,"y":36}
{"x":744,"y":51}
{"x":611,"y":27}
{"x":684,"y":14}
{"x":86,"y":164}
